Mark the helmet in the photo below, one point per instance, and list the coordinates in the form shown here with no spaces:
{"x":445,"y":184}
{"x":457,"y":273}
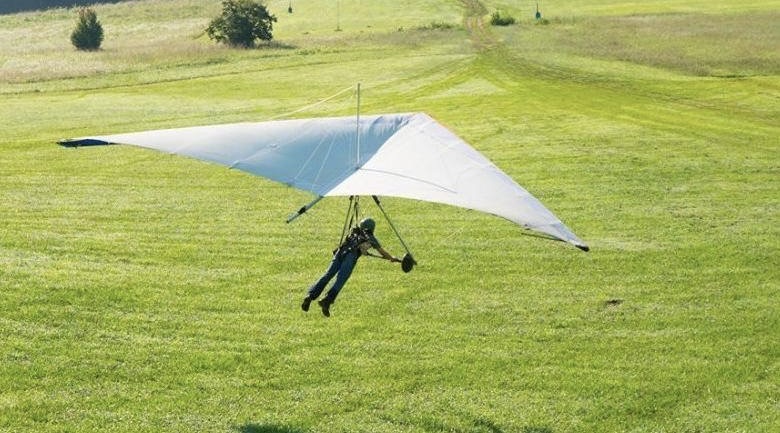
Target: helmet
{"x":367,"y":224}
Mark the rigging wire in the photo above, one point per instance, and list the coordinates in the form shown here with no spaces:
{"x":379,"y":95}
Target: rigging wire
{"x":353,"y":210}
{"x":333,"y":141}
{"x":320,"y":102}
{"x":322,"y":141}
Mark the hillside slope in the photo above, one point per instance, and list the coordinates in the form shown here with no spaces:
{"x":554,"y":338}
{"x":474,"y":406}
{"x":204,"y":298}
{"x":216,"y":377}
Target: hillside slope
{"x":147,"y":292}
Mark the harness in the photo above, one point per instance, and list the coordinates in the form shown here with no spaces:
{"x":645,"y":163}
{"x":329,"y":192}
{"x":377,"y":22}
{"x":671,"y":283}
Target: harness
{"x":352,"y":242}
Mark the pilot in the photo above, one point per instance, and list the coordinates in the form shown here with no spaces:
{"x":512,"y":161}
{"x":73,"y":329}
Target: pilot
{"x":359,"y":241}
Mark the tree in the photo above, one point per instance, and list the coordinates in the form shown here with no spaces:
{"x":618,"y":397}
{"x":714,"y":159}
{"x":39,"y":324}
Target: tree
{"x":88,"y":34}
{"x":501,"y":20}
{"x":242,"y":23}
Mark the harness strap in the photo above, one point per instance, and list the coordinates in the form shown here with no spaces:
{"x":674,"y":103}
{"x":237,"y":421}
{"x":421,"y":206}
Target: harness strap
{"x":348,"y":219}
{"x":351,"y":219}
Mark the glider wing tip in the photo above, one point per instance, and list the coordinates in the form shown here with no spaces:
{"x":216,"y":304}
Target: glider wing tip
{"x":68,"y":142}
{"x":78,"y":142}
{"x":583,"y":247}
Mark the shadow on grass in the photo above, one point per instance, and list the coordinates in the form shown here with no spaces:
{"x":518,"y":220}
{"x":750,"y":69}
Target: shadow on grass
{"x":479,"y":423}
{"x":275,"y":45}
{"x":490,"y":426}
{"x":266,"y":428}
{"x":487,"y":424}
{"x":536,"y":429}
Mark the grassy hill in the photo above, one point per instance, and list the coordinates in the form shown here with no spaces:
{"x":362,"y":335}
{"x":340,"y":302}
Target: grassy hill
{"x":146,"y":292}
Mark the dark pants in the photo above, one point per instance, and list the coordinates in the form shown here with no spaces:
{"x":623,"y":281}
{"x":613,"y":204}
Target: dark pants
{"x":341,"y":266}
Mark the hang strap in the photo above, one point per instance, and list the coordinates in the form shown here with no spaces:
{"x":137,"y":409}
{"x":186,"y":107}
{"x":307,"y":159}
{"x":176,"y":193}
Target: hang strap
{"x":351,"y":219}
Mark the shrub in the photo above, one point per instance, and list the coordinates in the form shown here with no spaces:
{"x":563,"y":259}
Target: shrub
{"x":242,"y":23}
{"x":437,"y":25}
{"x":497,"y":20}
{"x":88,"y":34}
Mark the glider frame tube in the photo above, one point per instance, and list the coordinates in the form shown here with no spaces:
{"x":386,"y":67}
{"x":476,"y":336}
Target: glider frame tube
{"x":303,"y":209}
{"x":408,"y":260}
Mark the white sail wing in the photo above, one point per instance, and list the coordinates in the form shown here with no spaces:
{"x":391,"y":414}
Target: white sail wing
{"x":399,"y":155}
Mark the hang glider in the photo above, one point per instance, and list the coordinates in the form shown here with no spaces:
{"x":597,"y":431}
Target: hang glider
{"x":399,"y":155}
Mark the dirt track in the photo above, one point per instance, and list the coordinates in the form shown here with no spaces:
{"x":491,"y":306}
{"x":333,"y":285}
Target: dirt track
{"x":473,"y":20}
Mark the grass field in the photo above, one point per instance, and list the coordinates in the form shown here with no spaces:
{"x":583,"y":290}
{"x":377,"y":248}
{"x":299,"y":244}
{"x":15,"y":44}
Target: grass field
{"x":147,"y":292}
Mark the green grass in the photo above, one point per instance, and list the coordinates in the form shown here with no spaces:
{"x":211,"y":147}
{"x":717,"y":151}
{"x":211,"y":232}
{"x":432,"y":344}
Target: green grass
{"x":146,"y":292}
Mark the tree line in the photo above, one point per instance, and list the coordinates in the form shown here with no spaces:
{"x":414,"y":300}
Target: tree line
{"x":13,"y":6}
{"x":241,"y":24}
